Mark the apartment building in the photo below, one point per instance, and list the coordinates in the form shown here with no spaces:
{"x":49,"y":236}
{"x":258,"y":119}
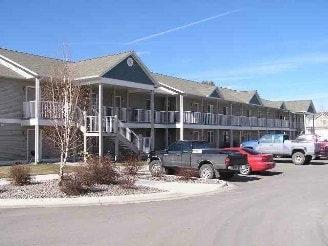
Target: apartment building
{"x":132,"y":109}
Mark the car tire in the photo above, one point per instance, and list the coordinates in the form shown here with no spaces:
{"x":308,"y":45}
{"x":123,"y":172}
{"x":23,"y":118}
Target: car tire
{"x":156,"y":168}
{"x":298,"y":158}
{"x":245,"y":170}
{"x":206,"y":171}
{"x":226,"y":175}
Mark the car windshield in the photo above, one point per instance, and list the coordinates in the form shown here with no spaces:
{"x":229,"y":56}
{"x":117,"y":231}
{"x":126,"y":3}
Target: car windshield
{"x":251,"y":151}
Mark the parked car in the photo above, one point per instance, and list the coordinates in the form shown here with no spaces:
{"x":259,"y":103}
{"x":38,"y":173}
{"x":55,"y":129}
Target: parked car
{"x":301,"y":152}
{"x":256,"y":161}
{"x":198,"y":155}
{"x":316,"y":139}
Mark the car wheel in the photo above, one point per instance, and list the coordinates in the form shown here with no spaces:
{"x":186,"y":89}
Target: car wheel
{"x":206,"y":171}
{"x":298,"y":158}
{"x":156,"y":168}
{"x":245,"y":170}
{"x":226,"y":175}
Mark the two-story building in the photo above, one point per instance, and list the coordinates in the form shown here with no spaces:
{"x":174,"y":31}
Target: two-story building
{"x":133,"y":109}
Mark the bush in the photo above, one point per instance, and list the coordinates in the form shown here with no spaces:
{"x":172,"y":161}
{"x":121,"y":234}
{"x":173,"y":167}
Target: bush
{"x":98,"y":170}
{"x":72,"y":185}
{"x":20,"y":174}
{"x":129,"y":172}
{"x":186,"y":173}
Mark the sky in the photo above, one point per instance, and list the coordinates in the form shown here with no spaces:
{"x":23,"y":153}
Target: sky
{"x":277,"y":47}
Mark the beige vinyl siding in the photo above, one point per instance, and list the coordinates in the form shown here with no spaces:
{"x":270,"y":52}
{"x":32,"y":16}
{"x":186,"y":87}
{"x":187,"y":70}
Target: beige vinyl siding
{"x":12,"y":95}
{"x":12,"y":142}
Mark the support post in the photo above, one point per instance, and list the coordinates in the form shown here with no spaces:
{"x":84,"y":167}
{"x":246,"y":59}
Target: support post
{"x":100,"y":121}
{"x":181,"y":117}
{"x":37,"y":122}
{"x":152,"y":129}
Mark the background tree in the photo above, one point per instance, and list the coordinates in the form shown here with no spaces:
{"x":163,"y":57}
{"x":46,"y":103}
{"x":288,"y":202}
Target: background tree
{"x":66,"y":99}
{"x":208,"y":82}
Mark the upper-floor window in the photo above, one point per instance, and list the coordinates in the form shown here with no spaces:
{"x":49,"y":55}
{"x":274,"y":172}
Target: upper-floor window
{"x":324,"y":122}
{"x":260,"y":114}
{"x":195,"y":107}
{"x":248,"y":113}
{"x":225,"y":110}
{"x":210,"y":108}
{"x":118,"y":101}
{"x":148,"y":104}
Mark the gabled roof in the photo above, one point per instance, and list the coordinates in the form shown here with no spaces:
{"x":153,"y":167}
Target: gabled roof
{"x":188,"y":87}
{"x":8,"y":73}
{"x":300,"y":106}
{"x":273,"y":104}
{"x":38,"y":64}
{"x":45,"y":66}
{"x":97,"y":66}
{"x":248,"y":97}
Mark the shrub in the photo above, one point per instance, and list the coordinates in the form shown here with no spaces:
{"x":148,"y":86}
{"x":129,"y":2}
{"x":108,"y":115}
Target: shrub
{"x":20,"y":174}
{"x":72,"y":185}
{"x":129,"y":172}
{"x":98,"y":170}
{"x":186,"y":173}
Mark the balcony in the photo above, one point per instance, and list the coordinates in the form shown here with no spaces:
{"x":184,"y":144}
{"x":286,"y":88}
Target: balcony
{"x":52,"y":110}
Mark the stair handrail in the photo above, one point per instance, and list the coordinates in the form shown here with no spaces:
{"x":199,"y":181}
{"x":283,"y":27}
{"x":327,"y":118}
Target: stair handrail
{"x":130,"y":135}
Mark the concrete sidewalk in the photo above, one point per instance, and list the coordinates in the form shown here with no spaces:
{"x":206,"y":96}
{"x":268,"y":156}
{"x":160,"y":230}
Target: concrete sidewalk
{"x":173,"y":190}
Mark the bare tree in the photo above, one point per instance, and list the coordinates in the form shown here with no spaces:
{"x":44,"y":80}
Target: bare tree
{"x":64,"y":101}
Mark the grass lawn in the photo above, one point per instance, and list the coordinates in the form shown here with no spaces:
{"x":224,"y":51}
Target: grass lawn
{"x":47,"y":168}
{"x":38,"y":169}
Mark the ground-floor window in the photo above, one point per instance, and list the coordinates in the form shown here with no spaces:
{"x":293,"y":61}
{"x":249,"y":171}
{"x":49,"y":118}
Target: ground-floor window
{"x":195,"y":135}
{"x":210,"y":137}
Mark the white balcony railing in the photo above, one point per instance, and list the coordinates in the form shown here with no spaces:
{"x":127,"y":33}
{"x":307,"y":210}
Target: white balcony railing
{"x":53,"y":110}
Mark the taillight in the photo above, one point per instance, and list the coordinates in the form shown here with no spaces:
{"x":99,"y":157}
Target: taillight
{"x":227,"y":161}
{"x":267,"y":158}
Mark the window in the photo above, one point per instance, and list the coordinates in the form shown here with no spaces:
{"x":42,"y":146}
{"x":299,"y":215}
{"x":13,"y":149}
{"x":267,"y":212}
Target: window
{"x":210,"y":108}
{"x":118,"y":101}
{"x":186,"y":147}
{"x":248,"y":113}
{"x":210,"y":137}
{"x":195,"y":107}
{"x":260,"y":114}
{"x":195,"y":135}
{"x":148,"y":104}
{"x":225,"y":110}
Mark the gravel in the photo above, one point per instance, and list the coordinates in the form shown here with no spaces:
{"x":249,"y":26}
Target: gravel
{"x":50,"y":189}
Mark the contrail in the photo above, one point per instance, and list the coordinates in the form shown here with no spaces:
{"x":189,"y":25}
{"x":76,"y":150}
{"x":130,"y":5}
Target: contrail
{"x":182,"y":27}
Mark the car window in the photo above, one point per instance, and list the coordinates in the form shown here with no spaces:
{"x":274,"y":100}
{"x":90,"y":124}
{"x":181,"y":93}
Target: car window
{"x":186,"y":147}
{"x":266,"y":139}
{"x":251,"y":151}
{"x":175,"y":147}
{"x":201,"y":145}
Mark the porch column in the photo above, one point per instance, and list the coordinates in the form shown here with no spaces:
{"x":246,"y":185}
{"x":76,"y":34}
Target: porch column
{"x":231,"y":137}
{"x":37,"y":122}
{"x":152,"y":130}
{"x":162,"y":122}
{"x":100,"y":120}
{"x":181,"y":117}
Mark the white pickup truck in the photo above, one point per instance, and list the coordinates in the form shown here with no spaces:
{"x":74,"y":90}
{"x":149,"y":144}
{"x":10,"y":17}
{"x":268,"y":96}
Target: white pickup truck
{"x":301,"y":152}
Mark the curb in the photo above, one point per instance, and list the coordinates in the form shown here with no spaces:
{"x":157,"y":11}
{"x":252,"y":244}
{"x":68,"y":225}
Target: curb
{"x":107,"y":200}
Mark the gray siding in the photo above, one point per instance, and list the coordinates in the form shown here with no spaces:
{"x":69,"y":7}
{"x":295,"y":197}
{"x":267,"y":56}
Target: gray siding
{"x":132,"y":73}
{"x":12,"y":95}
{"x":12,"y":142}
